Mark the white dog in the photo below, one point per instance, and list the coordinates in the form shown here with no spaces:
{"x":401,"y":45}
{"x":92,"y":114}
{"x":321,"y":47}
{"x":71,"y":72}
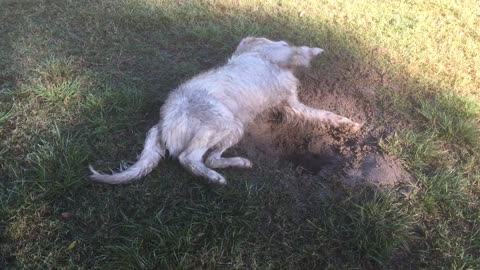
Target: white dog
{"x":208,"y":114}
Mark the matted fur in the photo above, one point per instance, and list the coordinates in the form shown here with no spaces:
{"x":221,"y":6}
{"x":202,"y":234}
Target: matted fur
{"x":209,"y":112}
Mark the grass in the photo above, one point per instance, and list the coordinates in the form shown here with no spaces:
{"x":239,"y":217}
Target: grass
{"x":81,"y":81}
{"x":452,"y":118}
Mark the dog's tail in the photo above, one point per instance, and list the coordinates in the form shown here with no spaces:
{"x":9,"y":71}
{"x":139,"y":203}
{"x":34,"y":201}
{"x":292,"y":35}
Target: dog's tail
{"x":152,"y":152}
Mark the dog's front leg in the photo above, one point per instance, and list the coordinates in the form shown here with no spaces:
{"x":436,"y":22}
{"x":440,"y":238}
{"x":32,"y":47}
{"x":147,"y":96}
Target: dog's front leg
{"x":326,"y":117}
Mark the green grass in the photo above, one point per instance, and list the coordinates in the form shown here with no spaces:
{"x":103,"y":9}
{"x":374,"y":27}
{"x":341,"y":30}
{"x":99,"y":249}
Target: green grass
{"x":452,"y":118}
{"x":81,"y":82}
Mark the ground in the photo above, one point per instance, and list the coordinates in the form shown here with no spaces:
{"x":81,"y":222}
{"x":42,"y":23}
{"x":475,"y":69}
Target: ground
{"x":82,"y":81}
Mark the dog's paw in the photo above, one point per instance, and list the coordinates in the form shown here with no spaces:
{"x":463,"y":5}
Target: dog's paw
{"x":221,"y":181}
{"x":351,"y":127}
{"x":355,"y":127}
{"x":248,"y":163}
{"x":217,"y":179}
{"x":244,"y":163}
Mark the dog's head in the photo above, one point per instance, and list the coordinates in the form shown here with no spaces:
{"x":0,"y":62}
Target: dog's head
{"x":278,"y":52}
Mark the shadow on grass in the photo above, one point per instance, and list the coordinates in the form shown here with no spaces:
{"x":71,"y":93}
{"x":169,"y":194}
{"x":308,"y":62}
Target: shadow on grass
{"x":89,"y":79}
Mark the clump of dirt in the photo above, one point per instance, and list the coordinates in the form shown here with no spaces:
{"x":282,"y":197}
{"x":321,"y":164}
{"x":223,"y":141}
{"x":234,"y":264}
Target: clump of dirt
{"x":354,"y":159}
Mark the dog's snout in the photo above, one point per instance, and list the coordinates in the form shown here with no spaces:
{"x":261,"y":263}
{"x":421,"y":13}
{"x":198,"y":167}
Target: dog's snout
{"x":316,"y":51}
{"x":310,"y":51}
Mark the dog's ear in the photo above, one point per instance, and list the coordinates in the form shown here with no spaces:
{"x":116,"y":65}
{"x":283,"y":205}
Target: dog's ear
{"x":244,"y":45}
{"x":246,"y":41}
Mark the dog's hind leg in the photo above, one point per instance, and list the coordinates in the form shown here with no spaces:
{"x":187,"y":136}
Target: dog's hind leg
{"x":192,"y":157}
{"x":192,"y":161}
{"x":215,"y":159}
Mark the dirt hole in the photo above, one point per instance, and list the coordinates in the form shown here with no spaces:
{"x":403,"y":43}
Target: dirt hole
{"x":353,"y":159}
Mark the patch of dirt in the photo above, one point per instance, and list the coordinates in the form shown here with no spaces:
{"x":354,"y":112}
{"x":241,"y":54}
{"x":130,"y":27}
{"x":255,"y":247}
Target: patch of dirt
{"x":354,"y":159}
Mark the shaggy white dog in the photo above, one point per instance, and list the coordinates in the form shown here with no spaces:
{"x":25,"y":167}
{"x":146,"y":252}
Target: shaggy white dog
{"x":208,"y":114}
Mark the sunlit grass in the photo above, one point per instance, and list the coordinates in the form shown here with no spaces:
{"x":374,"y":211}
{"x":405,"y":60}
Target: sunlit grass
{"x":453,"y":118}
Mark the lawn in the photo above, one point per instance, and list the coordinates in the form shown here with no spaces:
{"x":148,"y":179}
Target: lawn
{"x":82,"y":81}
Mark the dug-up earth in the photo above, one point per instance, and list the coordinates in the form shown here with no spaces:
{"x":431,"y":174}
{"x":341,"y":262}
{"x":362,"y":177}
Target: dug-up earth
{"x":320,"y":152}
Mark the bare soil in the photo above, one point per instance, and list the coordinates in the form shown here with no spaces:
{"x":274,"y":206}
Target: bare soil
{"x":353,"y":159}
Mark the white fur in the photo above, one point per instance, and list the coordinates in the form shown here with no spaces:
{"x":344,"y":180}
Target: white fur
{"x":210,"y":111}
